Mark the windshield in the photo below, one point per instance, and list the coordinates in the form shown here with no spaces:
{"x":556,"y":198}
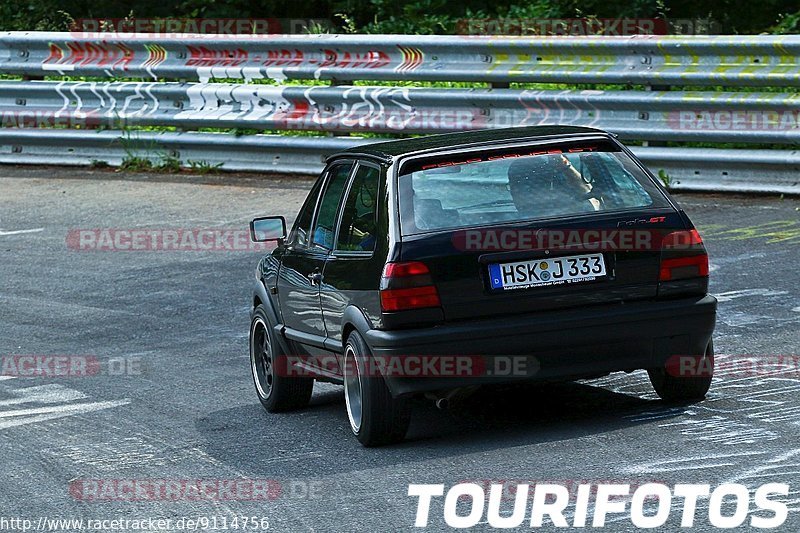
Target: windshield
{"x":485,"y":189}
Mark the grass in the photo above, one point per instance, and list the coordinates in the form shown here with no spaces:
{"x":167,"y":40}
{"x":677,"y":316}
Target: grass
{"x":145,"y":156}
{"x":204,"y":167}
{"x":165,"y":164}
{"x":135,"y":164}
{"x":168,"y":164}
{"x":665,"y":178}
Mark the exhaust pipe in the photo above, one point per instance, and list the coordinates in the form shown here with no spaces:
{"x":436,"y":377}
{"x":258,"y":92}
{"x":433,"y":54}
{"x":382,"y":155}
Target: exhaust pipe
{"x":446,"y":399}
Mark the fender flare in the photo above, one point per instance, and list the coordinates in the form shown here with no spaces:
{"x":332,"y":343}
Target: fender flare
{"x":260,"y":292}
{"x":354,"y":316}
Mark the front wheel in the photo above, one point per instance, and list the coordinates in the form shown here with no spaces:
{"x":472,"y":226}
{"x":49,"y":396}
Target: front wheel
{"x":684,"y":380}
{"x":276,"y":391}
{"x":375,"y":417}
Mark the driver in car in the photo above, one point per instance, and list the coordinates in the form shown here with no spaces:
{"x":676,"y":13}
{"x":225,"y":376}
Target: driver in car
{"x":548,"y":185}
{"x":361,"y":228}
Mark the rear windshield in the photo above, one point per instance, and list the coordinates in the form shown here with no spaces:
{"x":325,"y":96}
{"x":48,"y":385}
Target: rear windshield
{"x":526,"y":184}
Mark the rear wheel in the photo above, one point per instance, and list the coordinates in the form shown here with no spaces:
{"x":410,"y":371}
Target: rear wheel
{"x":276,"y":391}
{"x":375,"y":417}
{"x":671,"y":385}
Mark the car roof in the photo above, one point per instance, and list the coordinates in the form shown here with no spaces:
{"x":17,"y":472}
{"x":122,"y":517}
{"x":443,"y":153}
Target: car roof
{"x":387,"y":150}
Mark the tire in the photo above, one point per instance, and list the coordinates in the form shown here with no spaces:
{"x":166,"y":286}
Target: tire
{"x":676,"y":388}
{"x":276,"y":391}
{"x":375,"y":417}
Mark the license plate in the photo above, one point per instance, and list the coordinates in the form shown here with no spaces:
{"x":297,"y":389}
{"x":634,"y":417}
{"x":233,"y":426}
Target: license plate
{"x":543,"y":272}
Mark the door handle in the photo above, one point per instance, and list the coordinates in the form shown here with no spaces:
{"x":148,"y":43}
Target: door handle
{"x":315,"y":277}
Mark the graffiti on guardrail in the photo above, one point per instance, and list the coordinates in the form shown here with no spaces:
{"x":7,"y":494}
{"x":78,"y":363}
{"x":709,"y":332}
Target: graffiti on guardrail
{"x":201,"y":56}
{"x":115,"y":56}
{"x":645,"y":59}
{"x":116,"y":106}
{"x":723,"y":117}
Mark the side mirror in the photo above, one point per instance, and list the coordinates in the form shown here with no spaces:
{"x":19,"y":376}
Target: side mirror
{"x":265,"y":229}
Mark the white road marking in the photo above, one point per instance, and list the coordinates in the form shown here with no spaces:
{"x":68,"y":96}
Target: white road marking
{"x":60,"y":399}
{"x":732,"y":295}
{"x":74,"y":408}
{"x":782,"y":466}
{"x":3,"y":232}
{"x":52,"y":393}
{"x":29,"y":416}
{"x":697,"y":462}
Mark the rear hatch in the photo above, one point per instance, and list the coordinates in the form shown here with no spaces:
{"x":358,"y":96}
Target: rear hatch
{"x":467,"y":280}
{"x":517,"y":231}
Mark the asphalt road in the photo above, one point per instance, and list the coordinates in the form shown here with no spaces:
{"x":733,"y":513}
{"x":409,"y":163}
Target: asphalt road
{"x":184,"y":407}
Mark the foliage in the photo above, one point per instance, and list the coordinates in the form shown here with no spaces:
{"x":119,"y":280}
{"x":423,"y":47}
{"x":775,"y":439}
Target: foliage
{"x":665,"y":178}
{"x":412,"y":17}
{"x":787,"y":23}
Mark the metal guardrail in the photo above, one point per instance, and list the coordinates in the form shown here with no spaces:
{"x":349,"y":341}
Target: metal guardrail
{"x":688,"y":168}
{"x":655,"y":116}
{"x":648,"y":60}
{"x":652,"y":115}
{"x":261,"y":153}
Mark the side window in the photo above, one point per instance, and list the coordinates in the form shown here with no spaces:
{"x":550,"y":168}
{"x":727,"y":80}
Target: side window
{"x":299,"y":236}
{"x":357,"y":231}
{"x":325,"y":224}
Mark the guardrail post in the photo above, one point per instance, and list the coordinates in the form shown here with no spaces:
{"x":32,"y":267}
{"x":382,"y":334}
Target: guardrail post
{"x":651,"y":88}
{"x":338,"y":83}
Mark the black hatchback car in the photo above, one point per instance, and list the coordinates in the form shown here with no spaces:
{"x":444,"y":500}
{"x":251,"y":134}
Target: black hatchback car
{"x":433,"y":265}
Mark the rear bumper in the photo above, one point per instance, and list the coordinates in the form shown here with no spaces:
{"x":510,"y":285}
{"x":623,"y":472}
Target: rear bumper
{"x":558,"y":345}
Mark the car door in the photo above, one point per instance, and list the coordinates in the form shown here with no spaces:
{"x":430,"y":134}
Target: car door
{"x":304,"y":257}
{"x":352,"y":272}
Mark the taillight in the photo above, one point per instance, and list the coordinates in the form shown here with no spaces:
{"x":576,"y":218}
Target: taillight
{"x":685,"y":256}
{"x":405,"y":270}
{"x":695,"y":266}
{"x":682,"y":240}
{"x":407,"y":286}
